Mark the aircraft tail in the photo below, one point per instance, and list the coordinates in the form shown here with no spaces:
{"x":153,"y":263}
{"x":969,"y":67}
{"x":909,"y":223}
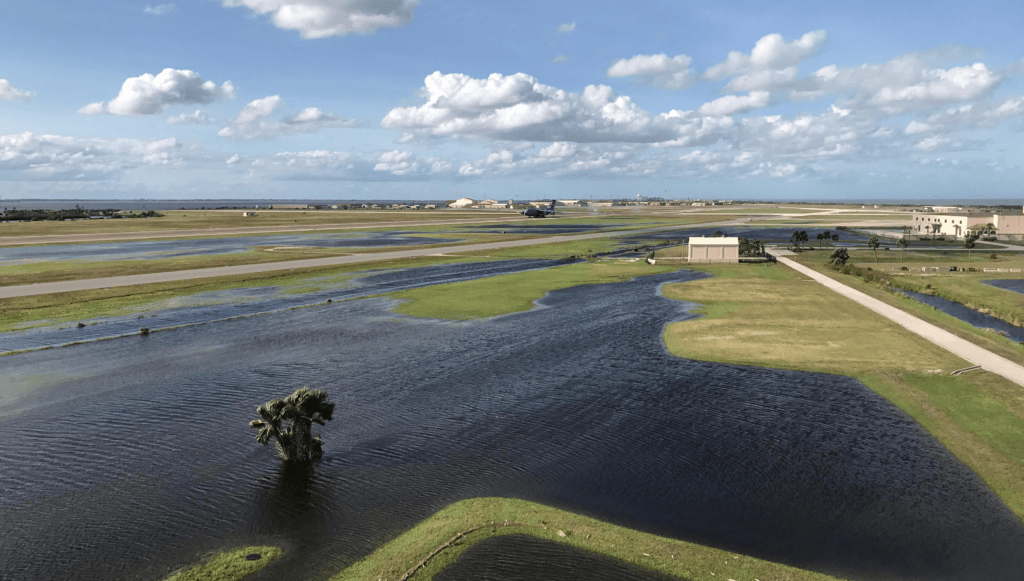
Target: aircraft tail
{"x":552,"y":206}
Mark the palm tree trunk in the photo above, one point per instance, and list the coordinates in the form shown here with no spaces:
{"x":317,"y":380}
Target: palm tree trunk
{"x":302,"y":435}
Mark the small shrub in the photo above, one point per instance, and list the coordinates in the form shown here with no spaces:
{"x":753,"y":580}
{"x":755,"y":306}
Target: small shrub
{"x":929,"y":285}
{"x":993,"y":256}
{"x":904,"y":268}
{"x":144,"y":331}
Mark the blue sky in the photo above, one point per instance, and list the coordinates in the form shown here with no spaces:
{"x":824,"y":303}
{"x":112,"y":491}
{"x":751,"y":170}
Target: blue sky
{"x":346,"y":99}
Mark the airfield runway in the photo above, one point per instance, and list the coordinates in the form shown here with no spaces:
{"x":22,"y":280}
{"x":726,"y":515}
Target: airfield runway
{"x":177,"y":275}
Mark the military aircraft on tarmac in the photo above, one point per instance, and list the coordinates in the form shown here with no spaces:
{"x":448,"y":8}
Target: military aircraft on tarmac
{"x":540,"y":212}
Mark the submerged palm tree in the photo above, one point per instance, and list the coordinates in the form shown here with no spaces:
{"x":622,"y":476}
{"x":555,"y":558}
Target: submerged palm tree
{"x":290,"y":422}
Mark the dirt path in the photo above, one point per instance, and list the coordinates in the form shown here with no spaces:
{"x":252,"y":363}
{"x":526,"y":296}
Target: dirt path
{"x":960,"y":347}
{"x":176,"y":275}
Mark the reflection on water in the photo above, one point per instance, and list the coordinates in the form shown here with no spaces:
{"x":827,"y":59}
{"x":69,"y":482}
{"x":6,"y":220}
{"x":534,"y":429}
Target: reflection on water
{"x":526,"y":558}
{"x":125,"y":458}
{"x":158,"y":249}
{"x":969,"y":315}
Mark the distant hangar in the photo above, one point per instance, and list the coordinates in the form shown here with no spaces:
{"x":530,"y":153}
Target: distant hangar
{"x":717,"y":249}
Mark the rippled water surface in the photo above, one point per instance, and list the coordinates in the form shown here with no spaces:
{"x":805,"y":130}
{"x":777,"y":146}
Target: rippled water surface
{"x":526,"y":558}
{"x":969,"y":315}
{"x":1011,"y":284}
{"x":126,"y":458}
{"x":156,"y":249}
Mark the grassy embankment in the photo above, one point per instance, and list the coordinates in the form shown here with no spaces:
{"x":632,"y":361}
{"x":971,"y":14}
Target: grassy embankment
{"x":228,"y":566}
{"x":674,"y":557}
{"x":771,"y":316}
{"x":965,"y":288}
{"x":990,"y":340}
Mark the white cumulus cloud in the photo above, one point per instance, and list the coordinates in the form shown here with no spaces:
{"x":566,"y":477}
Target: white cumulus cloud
{"x":731,"y":104}
{"x":519,"y":108}
{"x":197,"y":118}
{"x":31,"y":157}
{"x":151,"y":94}
{"x":253,"y":122}
{"x":771,"y":52}
{"x":323,"y":18}
{"x":567,"y":28}
{"x":160,"y":9}
{"x":8,"y":92}
{"x":659,"y":69}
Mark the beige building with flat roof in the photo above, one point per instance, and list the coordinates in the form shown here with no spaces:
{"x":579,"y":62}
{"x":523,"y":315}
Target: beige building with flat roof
{"x":1007,"y":226}
{"x":718,"y":249}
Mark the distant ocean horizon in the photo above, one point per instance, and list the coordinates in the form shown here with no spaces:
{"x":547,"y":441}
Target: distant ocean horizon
{"x":197,"y":204}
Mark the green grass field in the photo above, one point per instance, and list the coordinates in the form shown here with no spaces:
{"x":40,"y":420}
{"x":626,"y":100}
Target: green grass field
{"x":489,"y":515}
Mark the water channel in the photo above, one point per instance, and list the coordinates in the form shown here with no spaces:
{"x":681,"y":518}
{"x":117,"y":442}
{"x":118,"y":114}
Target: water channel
{"x":969,"y":315}
{"x":124,"y":459}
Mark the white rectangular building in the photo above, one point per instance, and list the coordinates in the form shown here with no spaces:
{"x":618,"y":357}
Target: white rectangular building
{"x":718,"y":249}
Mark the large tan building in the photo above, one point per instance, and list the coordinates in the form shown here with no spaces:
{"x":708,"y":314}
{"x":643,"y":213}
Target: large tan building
{"x":1007,"y":226}
{"x":718,"y":249}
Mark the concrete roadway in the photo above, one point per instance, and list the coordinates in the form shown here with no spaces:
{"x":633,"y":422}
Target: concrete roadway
{"x":116,"y":236}
{"x":960,"y":347}
{"x":8,"y":292}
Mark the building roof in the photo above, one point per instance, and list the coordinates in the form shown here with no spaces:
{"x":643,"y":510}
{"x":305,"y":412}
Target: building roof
{"x":714,"y":241}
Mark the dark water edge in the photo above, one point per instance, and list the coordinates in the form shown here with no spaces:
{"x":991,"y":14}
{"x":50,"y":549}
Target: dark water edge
{"x":969,"y":315}
{"x":526,"y":558}
{"x":131,"y":457}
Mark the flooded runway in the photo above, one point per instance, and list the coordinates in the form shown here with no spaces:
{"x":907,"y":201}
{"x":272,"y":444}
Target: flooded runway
{"x":123,"y":459}
{"x":157,"y":249}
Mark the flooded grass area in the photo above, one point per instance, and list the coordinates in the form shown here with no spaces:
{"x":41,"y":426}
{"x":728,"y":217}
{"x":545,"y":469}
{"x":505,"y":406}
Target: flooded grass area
{"x":134,"y":455}
{"x":171,"y":310}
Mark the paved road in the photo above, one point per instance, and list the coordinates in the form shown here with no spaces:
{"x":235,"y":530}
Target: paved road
{"x":177,"y":275}
{"x":115,"y":236}
{"x":960,"y":347}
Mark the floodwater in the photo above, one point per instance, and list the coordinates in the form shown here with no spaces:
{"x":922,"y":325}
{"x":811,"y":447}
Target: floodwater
{"x":123,"y":459}
{"x":242,"y":302}
{"x":1011,"y":284}
{"x":969,"y":315}
{"x":157,"y":249}
{"x":526,"y":558}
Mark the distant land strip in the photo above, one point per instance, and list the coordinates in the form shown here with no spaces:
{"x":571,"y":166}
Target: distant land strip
{"x":116,"y":236}
{"x":10,"y":292}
